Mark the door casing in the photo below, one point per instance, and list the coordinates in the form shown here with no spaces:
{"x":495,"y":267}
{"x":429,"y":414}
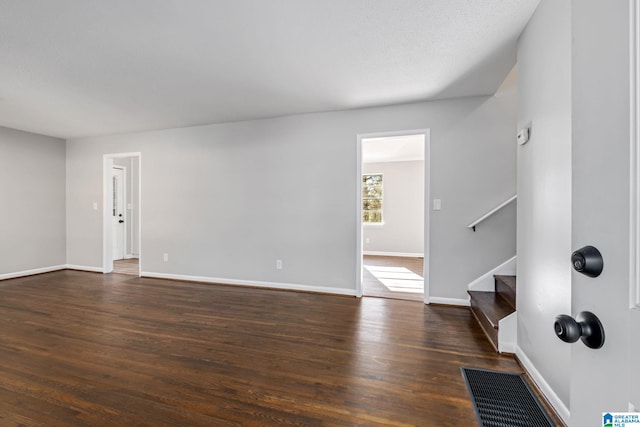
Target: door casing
{"x":107,"y":204}
{"x":427,"y":171}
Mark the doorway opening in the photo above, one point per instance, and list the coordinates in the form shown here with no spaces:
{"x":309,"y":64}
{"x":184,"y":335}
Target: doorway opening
{"x":122,"y":213}
{"x":392,"y":240}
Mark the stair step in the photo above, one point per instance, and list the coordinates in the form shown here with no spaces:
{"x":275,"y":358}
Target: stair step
{"x":506,"y":288}
{"x":488,"y":308}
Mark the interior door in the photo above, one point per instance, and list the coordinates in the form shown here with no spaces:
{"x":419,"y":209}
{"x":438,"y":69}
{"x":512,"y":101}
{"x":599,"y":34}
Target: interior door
{"x":604,"y":208}
{"x":118,"y":212}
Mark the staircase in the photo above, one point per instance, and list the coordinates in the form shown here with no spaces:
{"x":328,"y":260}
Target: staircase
{"x":489,"y":308}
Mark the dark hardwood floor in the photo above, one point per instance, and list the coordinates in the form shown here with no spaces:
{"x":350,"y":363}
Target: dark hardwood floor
{"x":89,"y":349}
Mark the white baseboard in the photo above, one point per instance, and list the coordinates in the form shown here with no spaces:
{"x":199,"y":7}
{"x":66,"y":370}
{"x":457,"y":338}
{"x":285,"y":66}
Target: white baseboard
{"x":486,"y":281}
{"x":258,"y":284}
{"x":85,"y":268}
{"x":543,"y":385}
{"x":32,"y":272}
{"x":399,"y":254}
{"x":450,"y":301}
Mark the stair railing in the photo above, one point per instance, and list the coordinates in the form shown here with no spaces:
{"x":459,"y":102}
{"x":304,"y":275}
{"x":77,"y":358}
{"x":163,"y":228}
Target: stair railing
{"x":491,"y":212}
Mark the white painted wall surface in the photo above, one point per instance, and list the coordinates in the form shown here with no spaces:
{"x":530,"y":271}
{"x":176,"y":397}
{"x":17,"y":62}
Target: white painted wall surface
{"x":135,"y":209}
{"x":403,"y":209}
{"x":544,"y":192}
{"x":226,"y":201}
{"x":32,"y":217}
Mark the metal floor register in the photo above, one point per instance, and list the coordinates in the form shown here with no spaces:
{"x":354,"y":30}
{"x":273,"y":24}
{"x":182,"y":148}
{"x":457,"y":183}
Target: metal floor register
{"x":504,"y":400}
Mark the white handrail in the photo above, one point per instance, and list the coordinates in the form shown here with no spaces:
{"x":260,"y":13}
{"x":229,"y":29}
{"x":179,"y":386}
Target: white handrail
{"x":488,"y":214}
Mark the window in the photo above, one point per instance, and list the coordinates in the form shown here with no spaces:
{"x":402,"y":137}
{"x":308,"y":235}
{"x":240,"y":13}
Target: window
{"x":372,"y":199}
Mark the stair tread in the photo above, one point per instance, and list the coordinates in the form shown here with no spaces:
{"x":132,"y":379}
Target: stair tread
{"x":491,"y":305}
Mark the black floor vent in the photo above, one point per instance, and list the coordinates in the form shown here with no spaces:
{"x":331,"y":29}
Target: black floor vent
{"x":504,"y":400}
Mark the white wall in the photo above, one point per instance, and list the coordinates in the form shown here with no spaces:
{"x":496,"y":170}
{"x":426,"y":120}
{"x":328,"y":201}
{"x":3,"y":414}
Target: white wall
{"x":544,"y":192}
{"x":403,"y":209}
{"x":135,"y":212}
{"x":32,"y":218}
{"x":225,"y":201}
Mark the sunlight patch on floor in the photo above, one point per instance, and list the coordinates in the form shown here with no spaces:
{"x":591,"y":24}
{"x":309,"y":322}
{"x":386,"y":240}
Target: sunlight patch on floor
{"x":397,"y":279}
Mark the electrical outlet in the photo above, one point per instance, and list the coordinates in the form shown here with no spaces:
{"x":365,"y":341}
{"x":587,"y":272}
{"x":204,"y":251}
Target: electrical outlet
{"x":367,"y":240}
{"x":166,"y":257}
{"x":278,"y":264}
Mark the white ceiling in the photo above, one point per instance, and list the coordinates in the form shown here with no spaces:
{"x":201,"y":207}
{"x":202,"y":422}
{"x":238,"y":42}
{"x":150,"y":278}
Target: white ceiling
{"x":393,"y":149}
{"x":73,"y":68}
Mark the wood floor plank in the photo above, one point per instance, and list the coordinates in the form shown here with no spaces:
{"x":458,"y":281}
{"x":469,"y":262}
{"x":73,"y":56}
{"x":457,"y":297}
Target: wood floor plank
{"x":129,"y":266}
{"x":89,"y":349}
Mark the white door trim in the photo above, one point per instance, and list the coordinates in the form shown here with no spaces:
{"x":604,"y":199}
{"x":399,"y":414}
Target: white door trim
{"x":107,"y":206}
{"x":427,"y":197}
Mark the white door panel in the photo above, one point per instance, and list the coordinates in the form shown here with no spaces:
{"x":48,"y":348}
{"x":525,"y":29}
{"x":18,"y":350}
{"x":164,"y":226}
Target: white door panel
{"x":118,"y":213}
{"x":634,"y":366}
{"x":601,"y":206}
